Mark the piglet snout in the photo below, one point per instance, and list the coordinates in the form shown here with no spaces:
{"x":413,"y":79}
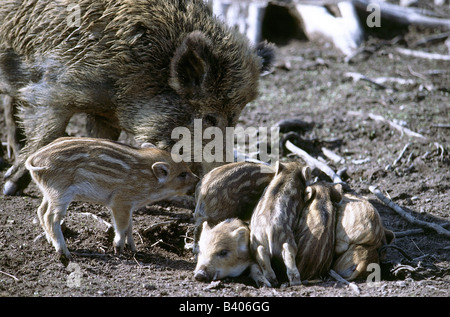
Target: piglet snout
{"x":201,"y":276}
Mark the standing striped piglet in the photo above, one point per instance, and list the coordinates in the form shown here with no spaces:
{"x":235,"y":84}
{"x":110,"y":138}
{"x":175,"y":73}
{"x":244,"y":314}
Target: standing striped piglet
{"x":105,"y":172}
{"x":274,"y":221}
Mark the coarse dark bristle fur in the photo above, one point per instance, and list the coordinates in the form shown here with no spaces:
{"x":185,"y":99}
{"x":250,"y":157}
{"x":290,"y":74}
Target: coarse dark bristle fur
{"x":143,"y":66}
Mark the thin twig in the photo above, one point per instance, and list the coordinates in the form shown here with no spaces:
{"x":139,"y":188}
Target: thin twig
{"x":441,"y":125}
{"x":157,"y":242}
{"x":392,"y":124}
{"x":401,"y":154}
{"x":424,"y":224}
{"x":38,"y":237}
{"x":10,"y":275}
{"x":401,"y":234}
{"x":396,"y":126}
{"x":420,"y":54}
{"x":156,"y":225}
{"x":135,"y":260}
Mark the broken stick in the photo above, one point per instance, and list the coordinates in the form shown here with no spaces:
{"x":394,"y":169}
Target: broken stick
{"x":398,"y":127}
{"x":314,"y":163}
{"x":410,"y":218}
{"x":401,"y":154}
{"x":10,"y":275}
{"x":425,"y":55}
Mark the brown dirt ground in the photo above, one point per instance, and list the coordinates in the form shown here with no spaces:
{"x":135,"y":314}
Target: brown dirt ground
{"x":308,"y":83}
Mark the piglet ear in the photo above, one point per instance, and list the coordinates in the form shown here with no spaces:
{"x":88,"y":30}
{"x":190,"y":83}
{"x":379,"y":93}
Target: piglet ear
{"x":161,"y":171}
{"x":306,"y":171}
{"x":309,"y":191}
{"x":240,"y":232}
{"x":205,"y":226}
{"x":242,"y":235}
{"x":278,"y":167}
{"x":147,"y":145}
{"x":190,"y":64}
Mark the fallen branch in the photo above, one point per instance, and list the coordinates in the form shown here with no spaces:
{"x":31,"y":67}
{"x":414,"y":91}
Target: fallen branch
{"x":441,"y":125}
{"x":432,"y":38}
{"x":361,"y":161}
{"x":401,"y":234}
{"x":420,"y":54}
{"x":410,"y":218}
{"x":314,"y":163}
{"x":344,"y":32}
{"x":332,"y":156}
{"x":402,"y":15}
{"x":392,"y":124}
{"x":396,"y":126}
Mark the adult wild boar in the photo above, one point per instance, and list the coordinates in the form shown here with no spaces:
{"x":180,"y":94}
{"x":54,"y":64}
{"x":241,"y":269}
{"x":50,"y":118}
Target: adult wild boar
{"x":143,"y":66}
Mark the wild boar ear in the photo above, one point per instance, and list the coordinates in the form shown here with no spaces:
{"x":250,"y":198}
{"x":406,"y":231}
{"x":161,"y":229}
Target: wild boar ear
{"x":161,"y":171}
{"x":266,"y":52}
{"x":190,"y":64}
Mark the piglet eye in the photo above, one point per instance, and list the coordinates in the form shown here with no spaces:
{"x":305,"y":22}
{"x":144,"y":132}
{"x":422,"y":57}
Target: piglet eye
{"x":223,"y":253}
{"x":183,"y":175}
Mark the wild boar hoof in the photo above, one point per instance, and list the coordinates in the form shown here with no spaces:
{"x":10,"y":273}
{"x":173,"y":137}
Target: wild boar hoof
{"x":64,"y":258}
{"x":15,"y":183}
{"x":10,"y":188}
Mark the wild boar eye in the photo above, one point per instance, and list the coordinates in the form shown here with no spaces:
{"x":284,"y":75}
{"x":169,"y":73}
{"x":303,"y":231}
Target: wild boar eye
{"x":183,"y":175}
{"x":223,"y":253}
{"x":211,"y":120}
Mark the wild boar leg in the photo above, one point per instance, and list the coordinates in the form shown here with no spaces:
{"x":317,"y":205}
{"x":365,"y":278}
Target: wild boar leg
{"x":122,"y":226}
{"x":197,"y":232}
{"x":41,"y":212}
{"x":289,"y":253}
{"x":257,"y":275}
{"x":100,"y":127}
{"x":130,"y":240}
{"x":52,"y":220}
{"x":13,"y":131}
{"x":40,"y":130}
{"x":263,"y":259}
